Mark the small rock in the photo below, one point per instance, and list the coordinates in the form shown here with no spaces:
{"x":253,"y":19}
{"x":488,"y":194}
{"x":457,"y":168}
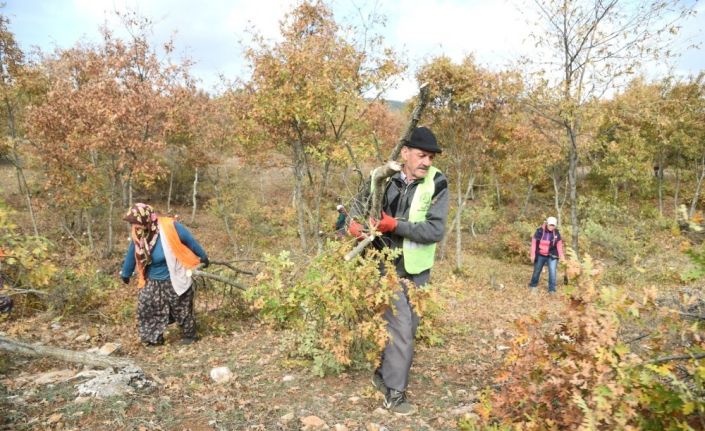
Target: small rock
{"x":82,"y":338}
{"x":81,"y":400}
{"x":313,"y":423}
{"x":109,"y":348}
{"x":123,"y":381}
{"x":375,"y":427}
{"x":502,"y":348}
{"x":287,"y":418}
{"x":354,"y":400}
{"x":340,"y":427}
{"x":53,"y":377}
{"x":221,"y":374}
{"x":55,"y":326}
{"x":288,"y":378}
{"x":380,"y":411}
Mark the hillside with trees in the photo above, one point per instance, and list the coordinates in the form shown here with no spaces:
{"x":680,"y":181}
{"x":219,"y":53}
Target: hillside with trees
{"x":290,"y":326}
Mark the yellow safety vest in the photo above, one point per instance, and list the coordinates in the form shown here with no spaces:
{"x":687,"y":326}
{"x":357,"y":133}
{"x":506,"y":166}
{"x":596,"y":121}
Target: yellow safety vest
{"x":419,"y":257}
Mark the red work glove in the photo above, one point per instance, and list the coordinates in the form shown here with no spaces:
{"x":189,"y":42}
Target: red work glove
{"x":356,"y":229}
{"x":387,"y":224}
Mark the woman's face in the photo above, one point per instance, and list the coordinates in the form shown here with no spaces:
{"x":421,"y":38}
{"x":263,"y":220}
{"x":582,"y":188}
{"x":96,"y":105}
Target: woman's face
{"x":551,"y":227}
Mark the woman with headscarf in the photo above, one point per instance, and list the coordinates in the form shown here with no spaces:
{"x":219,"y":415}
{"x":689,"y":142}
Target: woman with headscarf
{"x":163,"y":253}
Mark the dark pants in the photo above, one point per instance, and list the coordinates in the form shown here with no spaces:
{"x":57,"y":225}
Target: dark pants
{"x":158,"y":305}
{"x":538,"y":267}
{"x":402,"y":322}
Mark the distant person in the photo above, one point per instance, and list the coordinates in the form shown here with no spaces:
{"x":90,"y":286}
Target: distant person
{"x":546,"y":248}
{"x":340,"y":222}
{"x":163,"y":251}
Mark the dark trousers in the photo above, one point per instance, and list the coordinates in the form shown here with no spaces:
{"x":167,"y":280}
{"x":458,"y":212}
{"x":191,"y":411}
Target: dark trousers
{"x":402,"y":322}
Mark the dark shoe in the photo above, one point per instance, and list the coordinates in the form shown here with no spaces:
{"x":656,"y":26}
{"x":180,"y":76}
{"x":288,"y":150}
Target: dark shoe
{"x":159,"y":342}
{"x":190,"y":340}
{"x":378,"y":382}
{"x":396,"y":402}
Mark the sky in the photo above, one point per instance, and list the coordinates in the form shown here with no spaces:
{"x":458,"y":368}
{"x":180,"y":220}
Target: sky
{"x":210,"y":32}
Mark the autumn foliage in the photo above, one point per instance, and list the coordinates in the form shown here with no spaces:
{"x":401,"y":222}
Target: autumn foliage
{"x":589,"y":371}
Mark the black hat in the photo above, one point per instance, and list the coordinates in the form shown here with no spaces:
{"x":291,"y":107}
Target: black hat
{"x":423,"y":139}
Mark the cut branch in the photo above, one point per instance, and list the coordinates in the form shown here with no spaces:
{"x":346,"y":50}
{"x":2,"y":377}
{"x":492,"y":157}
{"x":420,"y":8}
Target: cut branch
{"x":421,"y":103}
{"x":231,"y":267}
{"x":381,"y":173}
{"x":219,"y":278}
{"x":676,"y":358}
{"x":359,"y":247}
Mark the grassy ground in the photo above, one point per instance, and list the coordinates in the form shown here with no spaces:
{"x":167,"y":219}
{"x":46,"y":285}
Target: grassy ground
{"x":445,"y":379}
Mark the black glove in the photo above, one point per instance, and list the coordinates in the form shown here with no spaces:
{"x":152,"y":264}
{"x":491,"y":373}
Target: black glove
{"x":125,"y":280}
{"x":205,"y":262}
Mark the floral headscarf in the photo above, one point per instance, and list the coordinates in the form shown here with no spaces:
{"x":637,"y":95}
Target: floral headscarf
{"x":143,"y":219}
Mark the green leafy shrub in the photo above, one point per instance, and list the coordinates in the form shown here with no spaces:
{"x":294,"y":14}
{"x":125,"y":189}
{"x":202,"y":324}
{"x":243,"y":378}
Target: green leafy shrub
{"x":74,"y":285}
{"x":29,"y":265}
{"x":333,"y":307}
{"x":80,"y":286}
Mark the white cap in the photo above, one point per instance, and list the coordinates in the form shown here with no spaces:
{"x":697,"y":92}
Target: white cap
{"x":551,"y":221}
{"x":339,"y":207}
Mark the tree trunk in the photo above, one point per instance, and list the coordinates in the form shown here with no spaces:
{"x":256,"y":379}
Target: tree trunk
{"x":89,"y":229}
{"x":573,"y":185}
{"x":298,"y":192}
{"x":526,"y":201}
{"x":171,"y":188}
{"x":675,"y":196}
{"x":317,"y":222}
{"x":36,"y":350}
{"x":21,"y":179}
{"x":496,"y":189}
{"x":24,"y":189}
{"x":194,"y":196}
{"x":556,"y":199}
{"x":456,"y":223}
{"x":129,"y":191}
{"x":111,"y":208}
{"x":698,"y":187}
{"x":222,"y":210}
{"x":659,"y":179}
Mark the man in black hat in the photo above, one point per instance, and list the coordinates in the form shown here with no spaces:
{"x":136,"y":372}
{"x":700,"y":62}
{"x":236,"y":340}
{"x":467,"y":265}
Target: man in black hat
{"x":414,"y":213}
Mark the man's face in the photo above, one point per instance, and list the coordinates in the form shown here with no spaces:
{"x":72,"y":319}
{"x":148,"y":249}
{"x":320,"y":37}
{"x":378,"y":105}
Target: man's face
{"x":551,"y":227}
{"x":416,"y":162}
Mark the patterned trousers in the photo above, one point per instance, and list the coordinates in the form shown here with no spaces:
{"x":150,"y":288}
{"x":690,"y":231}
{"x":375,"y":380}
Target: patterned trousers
{"x":158,"y":305}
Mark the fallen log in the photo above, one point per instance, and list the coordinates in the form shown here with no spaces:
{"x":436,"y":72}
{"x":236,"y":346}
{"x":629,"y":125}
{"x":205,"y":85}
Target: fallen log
{"x":40,"y":351}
